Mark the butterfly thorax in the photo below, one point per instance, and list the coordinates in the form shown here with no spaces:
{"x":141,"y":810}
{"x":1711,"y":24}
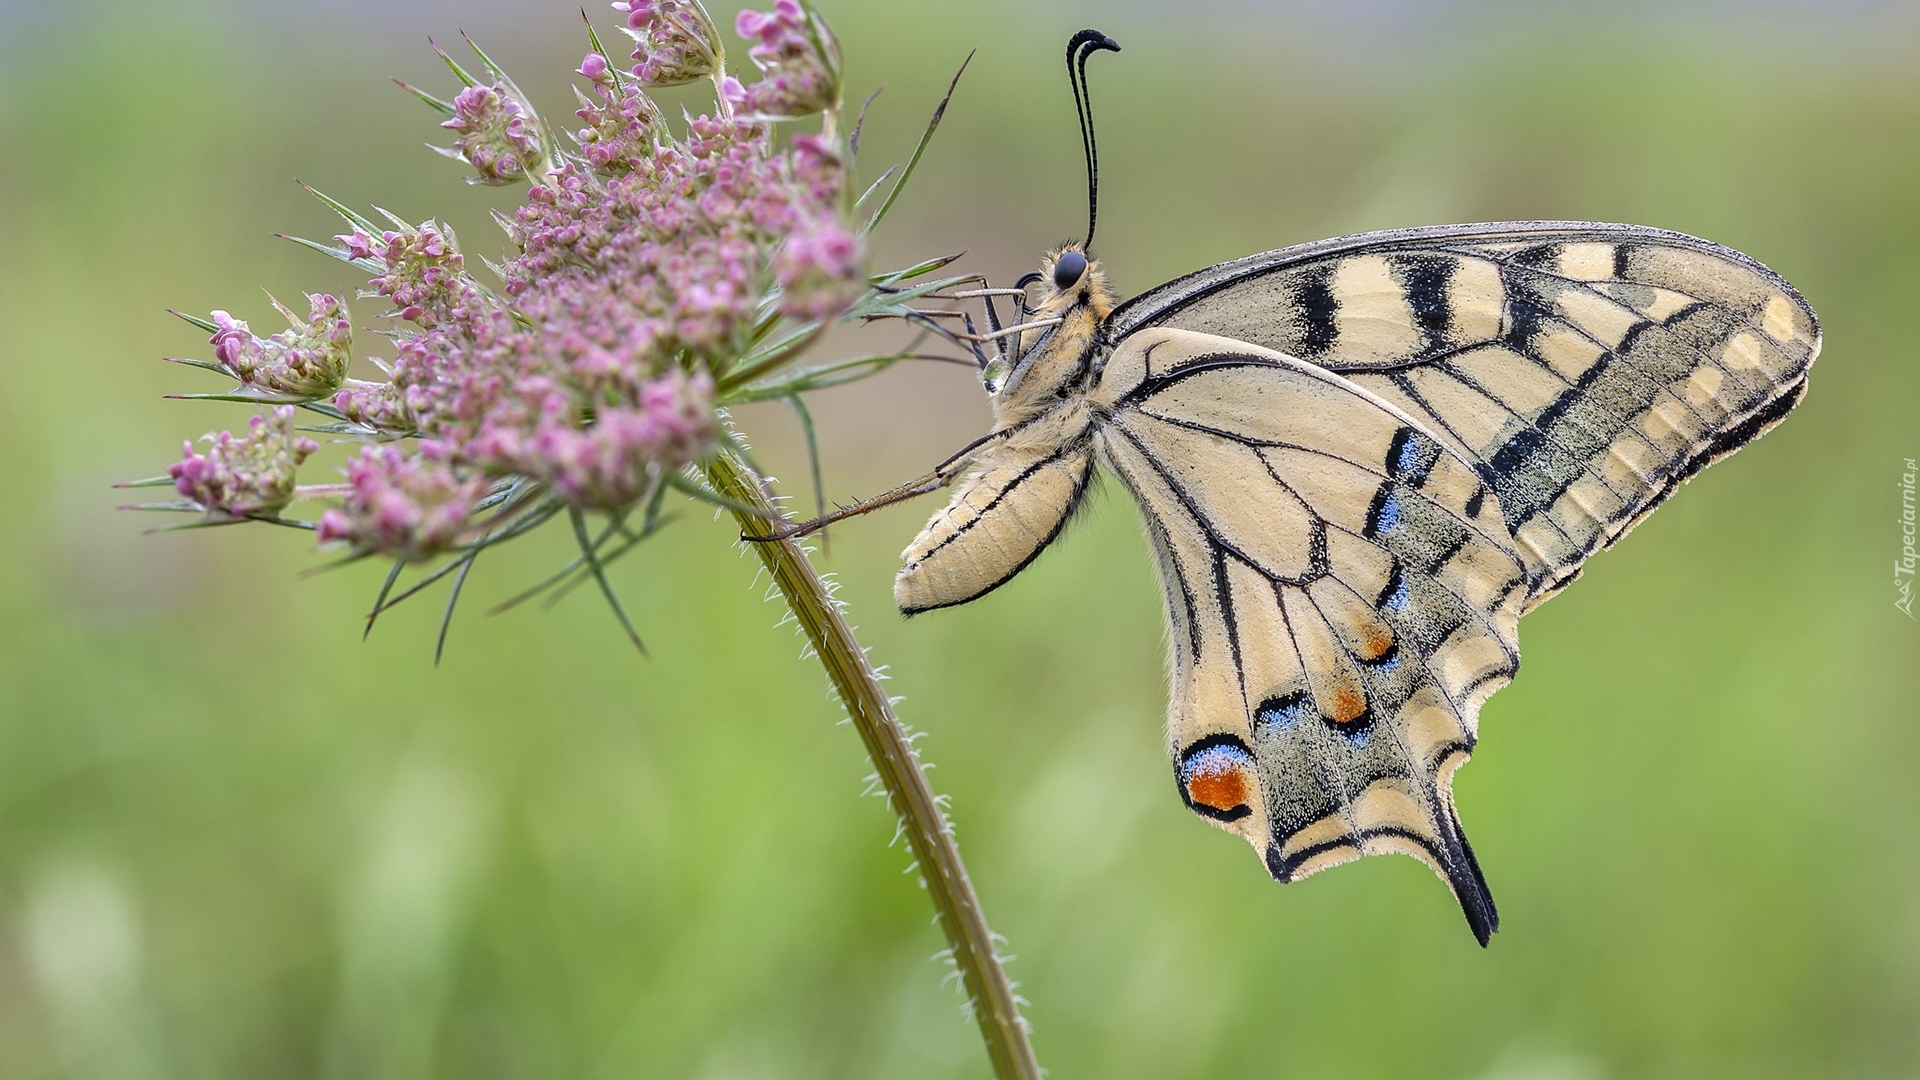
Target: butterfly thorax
{"x":1053,"y":360}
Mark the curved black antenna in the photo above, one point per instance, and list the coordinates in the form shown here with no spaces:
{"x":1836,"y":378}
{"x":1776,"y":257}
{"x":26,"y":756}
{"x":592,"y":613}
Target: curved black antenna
{"x":1079,"y":47}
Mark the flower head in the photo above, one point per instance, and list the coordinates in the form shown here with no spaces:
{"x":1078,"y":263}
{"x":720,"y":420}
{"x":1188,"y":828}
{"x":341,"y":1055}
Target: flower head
{"x":409,"y":507}
{"x":308,"y":360}
{"x":640,"y":272}
{"x":377,"y":405}
{"x":620,"y":124}
{"x":818,"y":271}
{"x":799,"y":63}
{"x":497,"y":134}
{"x":423,"y":274}
{"x":612,"y":462}
{"x":674,"y":41}
{"x":244,"y":476}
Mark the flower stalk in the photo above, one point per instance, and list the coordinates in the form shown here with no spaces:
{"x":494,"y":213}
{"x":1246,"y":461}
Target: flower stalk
{"x":995,"y":1007}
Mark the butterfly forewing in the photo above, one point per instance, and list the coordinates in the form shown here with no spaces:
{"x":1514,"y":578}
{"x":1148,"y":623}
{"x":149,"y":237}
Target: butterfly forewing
{"x":1584,"y":370}
{"x":1342,"y":596}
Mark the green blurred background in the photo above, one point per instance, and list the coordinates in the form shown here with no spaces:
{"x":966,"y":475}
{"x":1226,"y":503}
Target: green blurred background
{"x":235,"y":841}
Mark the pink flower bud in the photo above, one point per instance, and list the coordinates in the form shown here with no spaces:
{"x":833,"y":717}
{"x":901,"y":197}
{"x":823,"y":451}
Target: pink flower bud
{"x":674,"y":42}
{"x":798,"y":61}
{"x":498,"y":135}
{"x":244,"y":476}
{"x":307,"y":360}
{"x":406,"y":507}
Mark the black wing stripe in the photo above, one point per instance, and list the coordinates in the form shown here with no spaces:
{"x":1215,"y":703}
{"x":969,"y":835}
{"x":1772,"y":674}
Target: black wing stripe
{"x":1223,"y":594}
{"x":1426,"y":281}
{"x":1545,"y":424}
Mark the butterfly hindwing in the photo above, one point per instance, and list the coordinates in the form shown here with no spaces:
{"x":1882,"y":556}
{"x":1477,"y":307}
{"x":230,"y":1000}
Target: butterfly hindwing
{"x":1584,"y":369}
{"x":1341,"y":594}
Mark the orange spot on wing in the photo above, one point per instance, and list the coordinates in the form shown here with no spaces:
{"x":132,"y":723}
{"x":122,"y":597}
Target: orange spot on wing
{"x":1375,"y":640}
{"x":1220,"y":786}
{"x":1349,"y":703}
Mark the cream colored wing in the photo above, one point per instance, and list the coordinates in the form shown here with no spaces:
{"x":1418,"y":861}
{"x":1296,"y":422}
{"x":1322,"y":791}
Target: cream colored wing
{"x":1585,"y":370}
{"x":1342,"y":598}
{"x":1014,"y":501}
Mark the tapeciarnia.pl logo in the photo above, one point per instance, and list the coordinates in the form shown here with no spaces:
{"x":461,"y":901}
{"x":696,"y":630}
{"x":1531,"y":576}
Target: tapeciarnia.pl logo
{"x":1903,"y":566}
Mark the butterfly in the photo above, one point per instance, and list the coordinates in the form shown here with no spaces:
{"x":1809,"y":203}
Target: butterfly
{"x":1360,"y":462}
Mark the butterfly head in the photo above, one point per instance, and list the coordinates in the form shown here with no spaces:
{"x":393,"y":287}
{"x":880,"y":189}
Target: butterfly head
{"x":1077,"y":282}
{"x":1052,"y":350}
{"x":1071,"y":300}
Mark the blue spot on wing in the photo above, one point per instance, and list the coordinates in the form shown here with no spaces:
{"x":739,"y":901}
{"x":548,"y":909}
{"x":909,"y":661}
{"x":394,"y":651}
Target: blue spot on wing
{"x":1210,"y":759}
{"x":1283,"y":713}
{"x":1386,"y":512}
{"x":1395,"y":596}
{"x":1409,"y":457}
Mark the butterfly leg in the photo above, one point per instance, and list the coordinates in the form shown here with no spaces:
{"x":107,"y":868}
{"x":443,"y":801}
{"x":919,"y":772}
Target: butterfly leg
{"x":940,"y":477}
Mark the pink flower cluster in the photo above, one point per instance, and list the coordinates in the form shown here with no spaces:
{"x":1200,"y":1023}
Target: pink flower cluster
{"x":619,"y":132}
{"x":495,"y":135}
{"x":424,"y":275}
{"x":674,"y":41}
{"x":244,"y":476}
{"x":672,"y":424}
{"x":639,"y":271}
{"x":308,"y":360}
{"x":820,"y":265}
{"x":798,"y":61}
{"x":378,"y":406}
{"x":406,"y":506}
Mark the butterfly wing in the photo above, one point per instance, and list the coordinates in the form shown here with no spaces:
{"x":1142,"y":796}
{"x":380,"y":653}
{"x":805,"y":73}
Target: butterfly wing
{"x":1341,"y":593}
{"x":1585,"y":370}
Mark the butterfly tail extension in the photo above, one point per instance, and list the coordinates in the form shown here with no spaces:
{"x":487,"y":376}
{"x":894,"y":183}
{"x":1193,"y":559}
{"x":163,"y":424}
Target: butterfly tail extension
{"x":1456,"y":862}
{"x":1447,"y":852}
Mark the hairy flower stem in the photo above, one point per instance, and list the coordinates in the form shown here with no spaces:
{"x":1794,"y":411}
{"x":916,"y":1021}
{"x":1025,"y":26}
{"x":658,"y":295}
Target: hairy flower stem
{"x":899,"y":770}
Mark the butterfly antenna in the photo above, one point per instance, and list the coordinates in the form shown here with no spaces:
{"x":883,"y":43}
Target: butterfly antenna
{"x":1079,"y":47}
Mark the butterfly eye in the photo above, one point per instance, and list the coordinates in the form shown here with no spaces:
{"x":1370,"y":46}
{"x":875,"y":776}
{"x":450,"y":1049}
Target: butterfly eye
{"x":1068,"y":268}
